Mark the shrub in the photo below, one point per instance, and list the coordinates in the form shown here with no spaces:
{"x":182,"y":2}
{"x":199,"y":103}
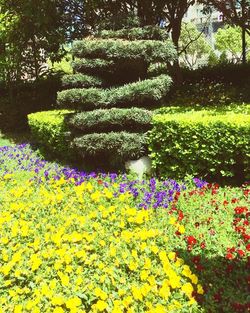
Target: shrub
{"x":221,"y":73}
{"x":116,"y":146}
{"x":122,"y":67}
{"x":116,"y":49}
{"x":201,"y":143}
{"x":141,"y":93}
{"x":133,"y":120}
{"x":145,"y":33}
{"x":49,"y":130}
{"x":93,"y":66}
{"x":81,"y":81}
{"x":20,"y":99}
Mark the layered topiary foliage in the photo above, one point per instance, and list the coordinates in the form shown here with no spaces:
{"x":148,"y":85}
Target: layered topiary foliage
{"x":112,"y":92}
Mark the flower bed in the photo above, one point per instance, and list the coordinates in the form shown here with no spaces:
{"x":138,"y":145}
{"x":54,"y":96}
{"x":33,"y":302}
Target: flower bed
{"x":77,"y":242}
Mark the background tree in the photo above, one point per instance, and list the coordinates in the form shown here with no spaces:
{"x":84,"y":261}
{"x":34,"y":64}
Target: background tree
{"x":228,"y":40}
{"x":194,"y":48}
{"x":235,"y":12}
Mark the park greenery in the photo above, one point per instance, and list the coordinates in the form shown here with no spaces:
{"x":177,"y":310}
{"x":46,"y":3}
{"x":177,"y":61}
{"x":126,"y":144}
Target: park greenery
{"x":85,"y":89}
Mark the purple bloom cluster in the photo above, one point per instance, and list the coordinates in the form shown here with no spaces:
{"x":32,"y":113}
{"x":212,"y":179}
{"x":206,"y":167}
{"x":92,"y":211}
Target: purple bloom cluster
{"x":147,"y":193}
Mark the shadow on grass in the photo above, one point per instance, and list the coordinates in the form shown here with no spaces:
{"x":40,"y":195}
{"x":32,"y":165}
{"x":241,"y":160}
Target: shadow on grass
{"x":11,"y":138}
{"x":226,"y":282}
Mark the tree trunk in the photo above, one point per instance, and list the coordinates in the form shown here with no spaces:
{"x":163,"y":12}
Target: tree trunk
{"x":176,"y":70}
{"x":244,"y":46}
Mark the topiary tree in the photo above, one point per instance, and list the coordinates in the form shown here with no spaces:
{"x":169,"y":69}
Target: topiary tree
{"x":112,"y":93}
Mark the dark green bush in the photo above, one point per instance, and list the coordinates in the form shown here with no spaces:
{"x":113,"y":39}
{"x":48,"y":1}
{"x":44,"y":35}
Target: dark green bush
{"x":133,"y":120}
{"x":209,"y":145}
{"x":141,"y":93}
{"x":113,"y":73}
{"x":116,"y":49}
{"x":145,"y":33}
{"x":111,"y":146}
{"x":20,"y":99}
{"x":49,"y":130}
{"x":221,"y":73}
{"x":81,"y":81}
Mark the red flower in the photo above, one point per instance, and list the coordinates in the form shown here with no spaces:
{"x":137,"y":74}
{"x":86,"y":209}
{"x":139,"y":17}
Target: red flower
{"x":229,"y":268}
{"x":217,"y":297}
{"x":196,"y":259}
{"x":229,"y":256}
{"x":191,"y":240}
{"x":234,"y":200}
{"x":180,"y":216}
{"x":203,"y":245}
{"x":248,"y":247}
{"x":241,"y":253}
{"x":240,"y":210}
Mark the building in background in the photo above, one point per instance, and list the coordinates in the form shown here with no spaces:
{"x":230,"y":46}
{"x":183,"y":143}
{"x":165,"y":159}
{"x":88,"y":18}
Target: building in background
{"x":207,"y":23}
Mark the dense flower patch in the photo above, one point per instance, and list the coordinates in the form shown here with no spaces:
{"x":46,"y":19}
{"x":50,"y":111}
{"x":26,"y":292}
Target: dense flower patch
{"x":77,"y":242}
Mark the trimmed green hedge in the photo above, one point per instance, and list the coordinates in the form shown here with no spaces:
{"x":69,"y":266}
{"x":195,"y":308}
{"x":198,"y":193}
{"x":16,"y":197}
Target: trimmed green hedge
{"x":133,"y":120}
{"x":116,"y":146}
{"x":116,"y":49}
{"x":201,"y":144}
{"x":141,"y":93}
{"x":49,"y":130}
{"x":81,"y":81}
{"x":93,"y":66}
{"x":145,"y":33}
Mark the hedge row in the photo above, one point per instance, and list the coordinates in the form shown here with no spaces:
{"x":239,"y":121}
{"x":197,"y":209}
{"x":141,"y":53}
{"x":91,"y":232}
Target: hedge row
{"x":116,"y":49}
{"x":141,"y":93}
{"x":133,"y":120}
{"x":145,"y":33}
{"x":201,"y":144}
{"x":93,"y":66}
{"x":81,"y":81}
{"x":49,"y":130}
{"x":114,"y":146}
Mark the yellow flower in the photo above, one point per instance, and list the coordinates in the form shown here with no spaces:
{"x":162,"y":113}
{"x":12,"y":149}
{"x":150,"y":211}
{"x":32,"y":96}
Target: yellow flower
{"x":144,"y":275}
{"x":136,"y":293}
{"x":127,"y":301}
{"x":58,"y":310}
{"x":100,"y":293}
{"x":192,"y":301}
{"x":18,"y":308}
{"x":200,"y":289}
{"x":187,"y":289}
{"x":194,"y":279}
{"x":57,"y":300}
{"x":172,"y":220}
{"x":101,"y":305}
{"x":73,"y":302}
{"x":181,"y":229}
{"x":133,"y":265}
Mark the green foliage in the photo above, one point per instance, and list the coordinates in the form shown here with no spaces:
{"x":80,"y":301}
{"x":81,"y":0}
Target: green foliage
{"x":193,"y":46}
{"x":113,"y":146}
{"x":141,"y":93}
{"x":116,"y":49}
{"x":229,"y":40}
{"x":93,"y":66}
{"x":136,"y":33}
{"x":49,"y":130}
{"x":201,"y":143}
{"x":25,"y":98}
{"x":81,"y":81}
{"x":62,"y":66}
{"x":133,"y":120}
